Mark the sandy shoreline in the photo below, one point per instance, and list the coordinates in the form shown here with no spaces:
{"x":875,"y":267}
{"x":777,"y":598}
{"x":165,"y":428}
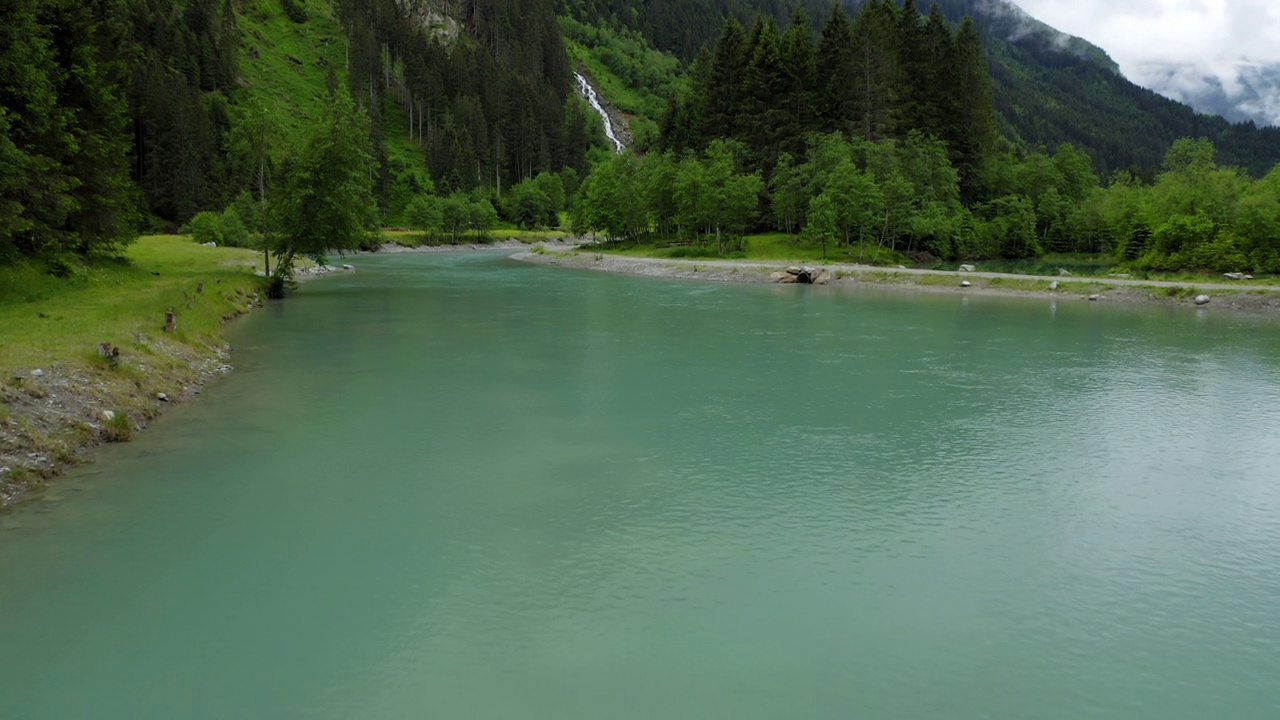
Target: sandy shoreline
{"x":1239,"y":297}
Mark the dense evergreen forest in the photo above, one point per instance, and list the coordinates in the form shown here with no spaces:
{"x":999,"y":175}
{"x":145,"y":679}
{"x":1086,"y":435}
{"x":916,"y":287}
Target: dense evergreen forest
{"x":878,"y":127}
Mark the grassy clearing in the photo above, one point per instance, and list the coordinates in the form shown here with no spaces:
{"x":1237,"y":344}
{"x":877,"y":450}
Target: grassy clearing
{"x":83,"y":395}
{"x":767,"y":246}
{"x":45,"y":320}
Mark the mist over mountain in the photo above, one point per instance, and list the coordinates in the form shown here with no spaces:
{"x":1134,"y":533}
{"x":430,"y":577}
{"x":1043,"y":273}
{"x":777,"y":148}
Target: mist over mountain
{"x":1244,"y":91}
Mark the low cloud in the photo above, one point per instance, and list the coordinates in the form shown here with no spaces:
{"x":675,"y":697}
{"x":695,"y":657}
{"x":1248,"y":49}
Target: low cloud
{"x":1181,"y":47}
{"x":1211,"y":33}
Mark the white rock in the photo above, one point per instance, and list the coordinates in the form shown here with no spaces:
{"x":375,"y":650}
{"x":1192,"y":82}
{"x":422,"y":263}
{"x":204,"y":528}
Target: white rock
{"x":162,"y":397}
{"x":348,"y":267}
{"x":1053,"y":285}
{"x":37,"y":373}
{"x":210,"y":244}
{"x":1094,"y":297}
{"x":1202,"y":299}
{"x":108,"y":415}
{"x":1064,"y":272}
{"x":966,"y":268}
{"x":965,"y":283}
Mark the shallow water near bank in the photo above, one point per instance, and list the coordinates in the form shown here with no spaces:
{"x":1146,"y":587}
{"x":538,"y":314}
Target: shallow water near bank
{"x":458,"y":486}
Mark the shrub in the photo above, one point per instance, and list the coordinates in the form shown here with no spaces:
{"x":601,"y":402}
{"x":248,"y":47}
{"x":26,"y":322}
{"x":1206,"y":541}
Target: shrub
{"x":294,"y":10}
{"x":206,"y":227}
{"x":234,"y":232}
{"x":425,"y":213}
{"x":118,"y":429}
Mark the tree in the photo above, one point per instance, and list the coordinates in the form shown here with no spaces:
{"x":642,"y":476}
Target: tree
{"x":256,"y":140}
{"x":838,"y":71}
{"x":972,"y":134}
{"x":824,"y":225}
{"x":788,"y":194}
{"x":800,"y":83}
{"x":723,"y":91}
{"x":326,"y":201}
{"x":857,"y":201}
{"x":609,"y":200}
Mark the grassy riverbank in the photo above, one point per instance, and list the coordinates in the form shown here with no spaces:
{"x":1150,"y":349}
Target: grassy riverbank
{"x":781,"y":247}
{"x":57,"y":392}
{"x":1256,"y":296}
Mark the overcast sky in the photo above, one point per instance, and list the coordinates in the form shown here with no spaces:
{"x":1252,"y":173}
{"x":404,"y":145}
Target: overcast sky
{"x":1212,"y":34}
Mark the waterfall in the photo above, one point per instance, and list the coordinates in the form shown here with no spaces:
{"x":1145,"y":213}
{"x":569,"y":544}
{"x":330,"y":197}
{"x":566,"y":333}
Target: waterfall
{"x":588,"y":92}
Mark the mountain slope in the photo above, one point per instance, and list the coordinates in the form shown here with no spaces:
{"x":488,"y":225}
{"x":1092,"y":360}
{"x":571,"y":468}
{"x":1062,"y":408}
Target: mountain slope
{"x":1050,"y":88}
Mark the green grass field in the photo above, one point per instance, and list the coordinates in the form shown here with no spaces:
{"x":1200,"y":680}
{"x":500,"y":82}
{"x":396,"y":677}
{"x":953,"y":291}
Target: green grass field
{"x":766,"y":246}
{"x":45,"y":320}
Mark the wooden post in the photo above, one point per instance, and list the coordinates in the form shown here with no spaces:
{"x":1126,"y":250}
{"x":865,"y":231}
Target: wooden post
{"x":170,"y":321}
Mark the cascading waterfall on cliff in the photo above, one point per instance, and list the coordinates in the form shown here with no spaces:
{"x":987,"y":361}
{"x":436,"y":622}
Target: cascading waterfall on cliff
{"x":588,"y":92}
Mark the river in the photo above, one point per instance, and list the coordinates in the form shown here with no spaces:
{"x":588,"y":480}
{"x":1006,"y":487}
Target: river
{"x":457,"y":486}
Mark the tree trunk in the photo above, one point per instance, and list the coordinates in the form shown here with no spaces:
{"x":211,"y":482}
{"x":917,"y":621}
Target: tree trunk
{"x":262,"y":216}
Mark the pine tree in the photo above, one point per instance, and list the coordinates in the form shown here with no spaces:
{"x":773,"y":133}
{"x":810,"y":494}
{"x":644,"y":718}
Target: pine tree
{"x":800,"y":82}
{"x":767,"y":124}
{"x":722,"y":116}
{"x":973,"y":135}
{"x":878,"y":75}
{"x":838,"y":73}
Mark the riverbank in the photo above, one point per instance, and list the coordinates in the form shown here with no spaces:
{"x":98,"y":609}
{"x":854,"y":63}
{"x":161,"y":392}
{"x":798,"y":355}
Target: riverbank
{"x":95,"y":357}
{"x":1233,"y":295}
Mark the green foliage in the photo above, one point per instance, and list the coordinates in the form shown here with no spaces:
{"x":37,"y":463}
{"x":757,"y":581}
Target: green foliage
{"x":326,"y":200}
{"x":119,"y":428}
{"x":206,"y":227}
{"x":535,"y":203}
{"x":294,"y":10}
{"x":64,"y":154}
{"x":425,"y":213}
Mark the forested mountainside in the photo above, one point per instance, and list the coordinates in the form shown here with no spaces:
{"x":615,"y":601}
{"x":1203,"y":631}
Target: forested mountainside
{"x":116,"y":113}
{"x":1049,"y":88}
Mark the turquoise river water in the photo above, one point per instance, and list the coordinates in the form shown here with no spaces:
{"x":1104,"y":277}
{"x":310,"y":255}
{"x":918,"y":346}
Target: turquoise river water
{"x":458,"y":486}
